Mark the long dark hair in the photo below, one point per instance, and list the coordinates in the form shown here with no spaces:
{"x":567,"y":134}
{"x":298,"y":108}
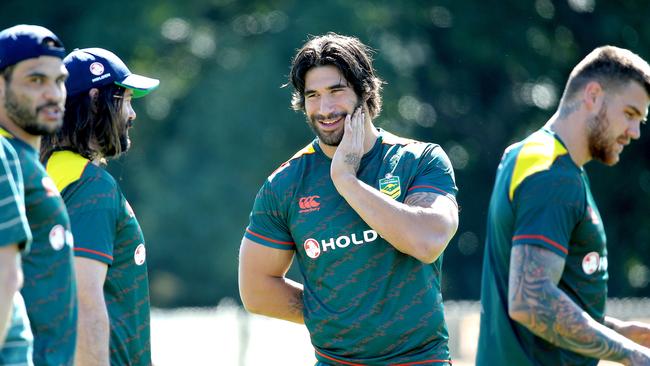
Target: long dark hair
{"x":92,"y":126}
{"x":350,"y":56}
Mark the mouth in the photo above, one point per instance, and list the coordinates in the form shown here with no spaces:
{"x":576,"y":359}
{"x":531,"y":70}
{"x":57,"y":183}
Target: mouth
{"x":331,"y":123}
{"x":52,"y":113}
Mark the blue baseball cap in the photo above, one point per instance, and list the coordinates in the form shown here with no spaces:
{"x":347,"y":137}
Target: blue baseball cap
{"x":96,"y":67}
{"x":22,"y":42}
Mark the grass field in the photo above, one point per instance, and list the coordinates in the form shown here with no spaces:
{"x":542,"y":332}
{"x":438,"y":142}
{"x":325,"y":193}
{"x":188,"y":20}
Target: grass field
{"x":228,"y":336}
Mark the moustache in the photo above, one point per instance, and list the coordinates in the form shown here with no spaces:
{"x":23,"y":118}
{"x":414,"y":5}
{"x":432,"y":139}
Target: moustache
{"x":335,"y":115}
{"x":50,"y":104}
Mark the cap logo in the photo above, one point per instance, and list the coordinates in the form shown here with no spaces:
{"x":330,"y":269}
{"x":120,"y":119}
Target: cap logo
{"x":96,"y":68}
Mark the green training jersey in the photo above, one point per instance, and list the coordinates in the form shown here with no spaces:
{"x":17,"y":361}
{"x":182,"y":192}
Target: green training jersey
{"x":106,"y":230}
{"x":365,"y":303}
{"x":49,"y":287}
{"x":14,"y":229}
{"x":542,"y":198}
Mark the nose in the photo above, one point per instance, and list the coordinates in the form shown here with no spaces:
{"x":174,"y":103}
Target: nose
{"x":130,"y":112}
{"x":634,"y":131}
{"x":55,"y":92}
{"x":326,"y":105}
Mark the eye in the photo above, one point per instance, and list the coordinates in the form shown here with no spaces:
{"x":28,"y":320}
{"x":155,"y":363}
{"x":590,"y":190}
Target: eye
{"x":38,"y":80}
{"x":628,"y":115}
{"x":310,"y":96}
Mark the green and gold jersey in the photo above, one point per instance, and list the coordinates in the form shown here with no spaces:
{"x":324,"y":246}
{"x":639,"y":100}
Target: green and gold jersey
{"x":106,"y":230}
{"x":49,"y":286}
{"x":14,"y":229}
{"x":542,"y":198}
{"x":365,"y":302}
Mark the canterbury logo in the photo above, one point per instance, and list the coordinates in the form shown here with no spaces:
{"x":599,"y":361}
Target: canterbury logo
{"x":308,"y":204}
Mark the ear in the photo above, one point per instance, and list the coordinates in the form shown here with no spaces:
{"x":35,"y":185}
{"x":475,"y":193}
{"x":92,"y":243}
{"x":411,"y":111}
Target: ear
{"x":593,"y":96}
{"x":93,"y":93}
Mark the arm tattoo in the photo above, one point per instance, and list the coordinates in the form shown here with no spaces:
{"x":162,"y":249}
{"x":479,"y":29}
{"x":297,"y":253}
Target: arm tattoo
{"x":353,"y":160}
{"x":537,"y":303}
{"x":421,"y":199}
{"x":296,"y":304}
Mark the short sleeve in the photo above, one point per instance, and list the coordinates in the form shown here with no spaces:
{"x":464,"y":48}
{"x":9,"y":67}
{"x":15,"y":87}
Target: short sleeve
{"x":547,"y":206}
{"x":14,"y":228}
{"x":435,"y":173}
{"x":93,"y":208}
{"x":268,"y":221}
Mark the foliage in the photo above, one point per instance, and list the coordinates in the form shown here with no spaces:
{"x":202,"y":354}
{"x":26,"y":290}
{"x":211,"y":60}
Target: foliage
{"x":471,"y":76}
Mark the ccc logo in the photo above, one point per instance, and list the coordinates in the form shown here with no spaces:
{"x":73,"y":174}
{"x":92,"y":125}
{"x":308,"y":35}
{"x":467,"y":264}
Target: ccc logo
{"x":307,"y":203}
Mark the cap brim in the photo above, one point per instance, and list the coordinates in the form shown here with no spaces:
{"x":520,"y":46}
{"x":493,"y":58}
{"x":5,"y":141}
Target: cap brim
{"x":141,"y":85}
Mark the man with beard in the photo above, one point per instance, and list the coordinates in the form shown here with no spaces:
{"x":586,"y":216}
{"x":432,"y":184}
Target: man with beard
{"x":33,"y":95}
{"x":544,"y":282}
{"x":110,"y":256}
{"x":367,"y":215}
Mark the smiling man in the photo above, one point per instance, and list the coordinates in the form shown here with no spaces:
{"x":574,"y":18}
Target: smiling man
{"x":110,"y":254}
{"x":544,"y":282}
{"x":33,"y":96}
{"x":366,"y":214}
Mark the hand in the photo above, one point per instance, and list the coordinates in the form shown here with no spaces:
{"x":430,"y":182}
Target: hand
{"x":637,"y":331}
{"x":347,"y":157}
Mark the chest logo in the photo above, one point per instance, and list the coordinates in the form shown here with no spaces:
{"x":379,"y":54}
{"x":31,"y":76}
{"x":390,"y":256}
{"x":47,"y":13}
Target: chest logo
{"x":140,"y":254}
{"x":593,"y":262}
{"x":312,"y":248}
{"x":309,"y":204}
{"x":390,"y":186}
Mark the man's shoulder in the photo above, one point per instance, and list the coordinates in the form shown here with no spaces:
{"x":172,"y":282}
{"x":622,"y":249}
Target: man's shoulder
{"x":68,"y":169}
{"x":290,"y":167}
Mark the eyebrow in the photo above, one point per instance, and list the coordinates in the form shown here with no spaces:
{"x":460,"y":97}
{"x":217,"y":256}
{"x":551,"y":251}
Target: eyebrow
{"x":335,"y":86}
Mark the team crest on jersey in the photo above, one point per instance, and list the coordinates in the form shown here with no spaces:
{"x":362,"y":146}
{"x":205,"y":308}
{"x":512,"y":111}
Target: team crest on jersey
{"x":312,"y":248}
{"x":140,"y":255}
{"x":390,"y":186}
{"x":50,"y":187}
{"x":593,"y":262}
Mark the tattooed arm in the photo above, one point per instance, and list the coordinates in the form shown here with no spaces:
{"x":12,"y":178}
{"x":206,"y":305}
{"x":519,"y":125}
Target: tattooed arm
{"x":263,"y":287}
{"x":535,"y":301}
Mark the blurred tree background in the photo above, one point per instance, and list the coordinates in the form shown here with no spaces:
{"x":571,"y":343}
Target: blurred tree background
{"x":473,"y":76}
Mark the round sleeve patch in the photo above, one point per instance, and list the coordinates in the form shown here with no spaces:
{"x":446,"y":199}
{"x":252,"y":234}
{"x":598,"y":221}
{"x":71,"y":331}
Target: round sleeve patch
{"x":140,"y":255}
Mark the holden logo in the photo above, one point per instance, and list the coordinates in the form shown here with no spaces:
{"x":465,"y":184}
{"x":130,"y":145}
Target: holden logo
{"x":57,"y":237}
{"x":140,"y":254}
{"x":590,"y":263}
{"x":96,"y":68}
{"x":312,"y":248}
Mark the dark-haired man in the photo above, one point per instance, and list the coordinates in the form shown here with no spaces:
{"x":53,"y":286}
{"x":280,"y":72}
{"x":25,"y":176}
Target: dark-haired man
{"x":110,"y":255}
{"x":32,"y":104}
{"x":367,"y":214}
{"x":544,"y":282}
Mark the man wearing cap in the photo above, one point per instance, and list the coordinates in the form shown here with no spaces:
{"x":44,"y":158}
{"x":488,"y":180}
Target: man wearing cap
{"x":110,"y":255}
{"x":32,"y":89}
{"x":16,"y":340}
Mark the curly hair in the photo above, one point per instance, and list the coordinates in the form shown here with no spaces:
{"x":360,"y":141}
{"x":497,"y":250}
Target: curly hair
{"x":92,"y":126}
{"x":350,"y":56}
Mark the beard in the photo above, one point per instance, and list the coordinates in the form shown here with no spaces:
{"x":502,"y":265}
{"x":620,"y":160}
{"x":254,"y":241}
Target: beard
{"x":330,"y":138}
{"x":19,"y":112}
{"x":602,"y":147}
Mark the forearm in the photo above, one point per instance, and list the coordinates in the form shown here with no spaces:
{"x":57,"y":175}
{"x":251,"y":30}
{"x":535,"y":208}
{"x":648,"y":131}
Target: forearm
{"x":10,"y":282}
{"x":92,"y":335}
{"x":276,"y":297}
{"x":557,"y":319}
{"x":429,"y":228}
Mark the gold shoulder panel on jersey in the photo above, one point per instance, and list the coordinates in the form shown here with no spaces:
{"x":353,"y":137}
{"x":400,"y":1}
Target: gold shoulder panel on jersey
{"x":65,"y":167}
{"x":538,"y":153}
{"x":5,"y":133}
